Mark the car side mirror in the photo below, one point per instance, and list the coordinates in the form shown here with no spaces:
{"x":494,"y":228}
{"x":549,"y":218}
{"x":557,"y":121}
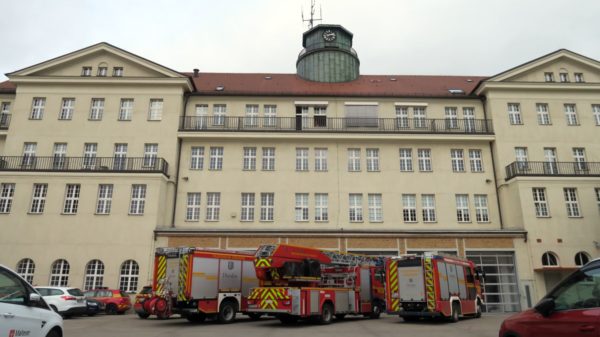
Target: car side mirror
{"x":546,"y":306}
{"x":35,"y":298}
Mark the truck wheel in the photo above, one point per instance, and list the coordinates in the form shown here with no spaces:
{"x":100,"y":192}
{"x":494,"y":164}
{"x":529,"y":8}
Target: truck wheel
{"x":326,"y":314}
{"x":478,"y":310}
{"x":288,"y":319}
{"x":376,"y":311}
{"x":254,"y":316}
{"x":455,"y":312}
{"x":226,"y":312}
{"x":143,"y":315}
{"x":196,"y":317}
{"x":340,"y":316}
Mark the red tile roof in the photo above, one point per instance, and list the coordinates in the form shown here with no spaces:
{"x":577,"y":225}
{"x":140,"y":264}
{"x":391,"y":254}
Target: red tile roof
{"x":365,"y":86}
{"x":7,"y":87}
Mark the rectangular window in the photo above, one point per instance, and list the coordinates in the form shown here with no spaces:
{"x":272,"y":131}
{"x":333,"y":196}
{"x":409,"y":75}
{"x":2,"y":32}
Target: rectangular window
{"x":451,"y":115}
{"x":424,"y":160}
{"x":571,"y":202}
{"x":216,"y":159}
{"x":5,"y":108}
{"x":579,"y":157}
{"x":37,"y":109}
{"x":375,"y":208}
{"x":564,"y":77}
{"x":270,"y":115}
{"x":462,"y":208}
{"x":150,"y":155}
{"x":321,"y":207}
{"x":409,"y":207}
{"x":476,"y":160}
{"x":469,"y":119}
{"x":458,"y":164}
{"x":579,"y":77}
{"x":71,"y":199}
{"x":97,"y":109}
{"x":320,"y":116}
{"x":301,"y":207}
{"x":104,"y":203}
{"x":402,"y":117}
{"x":192,"y":212}
{"x":551,"y":165}
{"x":126,"y":109}
{"x":59,"y":155}
{"x":540,"y":202}
{"x":118,"y":71}
{"x":268,"y":158}
{"x":320,"y":159}
{"x":571,"y":114}
{"x":353,"y":160}
{"x":247,"y":213}
{"x":428,"y":207}
{"x":521,"y":158}
{"x":419,"y":117}
{"x":481,"y":208}
{"x":90,"y":151}
{"x":197,"y":158}
{"x":120,"y":157}
{"x":543,"y":114}
{"x":38,"y":198}
{"x":267,"y":206}
{"x":86,"y":71}
{"x":249,"y":162}
{"x":596,"y":112}
{"x":372,"y":160}
{"x":301,"y":159}
{"x":66,"y":109}
{"x":213,"y":206}
{"x":597,"y":190}
{"x":138,"y":199}
{"x":406,"y":160}
{"x":102,"y":71}
{"x":219,"y":112}
{"x":29,"y":150}
{"x":355,"y":210}
{"x":251,"y":118}
{"x":514,"y":113}
{"x":6,"y":197}
{"x":156,"y":110}
{"x":549,"y":77}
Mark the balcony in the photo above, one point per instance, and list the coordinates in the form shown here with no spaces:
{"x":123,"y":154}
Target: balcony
{"x":4,"y":121}
{"x":324,"y":124}
{"x":84,"y":164}
{"x":552,"y":169}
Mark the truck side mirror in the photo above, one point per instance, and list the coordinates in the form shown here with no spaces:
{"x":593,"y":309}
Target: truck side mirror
{"x":545,"y":307}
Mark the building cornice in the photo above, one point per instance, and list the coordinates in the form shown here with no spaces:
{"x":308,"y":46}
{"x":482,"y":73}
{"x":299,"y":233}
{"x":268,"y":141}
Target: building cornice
{"x":543,"y":86}
{"x":53,"y":80}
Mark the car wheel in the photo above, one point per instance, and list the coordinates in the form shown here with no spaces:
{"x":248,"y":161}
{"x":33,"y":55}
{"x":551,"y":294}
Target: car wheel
{"x":376,"y":311}
{"x":326,"y":314}
{"x":254,"y":316}
{"x":53,"y":333}
{"x":111,"y":309}
{"x":91,"y":314}
{"x":226,"y":312}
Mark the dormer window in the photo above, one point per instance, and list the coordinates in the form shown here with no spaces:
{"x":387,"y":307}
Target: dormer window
{"x":102,"y":71}
{"x":118,"y":71}
{"x":564,"y":77}
{"x":579,"y":78}
{"x":549,"y":77}
{"x":86,"y":71}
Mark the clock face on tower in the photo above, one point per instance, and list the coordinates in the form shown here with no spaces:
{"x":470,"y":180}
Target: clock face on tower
{"x":329,"y":35}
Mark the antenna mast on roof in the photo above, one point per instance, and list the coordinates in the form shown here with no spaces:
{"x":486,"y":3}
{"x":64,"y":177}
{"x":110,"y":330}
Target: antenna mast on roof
{"x":312,"y":15}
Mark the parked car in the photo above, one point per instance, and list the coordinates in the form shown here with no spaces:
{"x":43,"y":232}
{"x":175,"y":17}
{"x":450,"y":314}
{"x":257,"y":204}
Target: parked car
{"x":24,"y":311}
{"x":115,"y":300}
{"x":571,"y":309}
{"x":66,"y":301}
{"x":93,"y":306}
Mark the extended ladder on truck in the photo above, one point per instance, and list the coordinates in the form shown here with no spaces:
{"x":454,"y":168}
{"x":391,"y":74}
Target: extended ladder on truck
{"x":302,"y":282}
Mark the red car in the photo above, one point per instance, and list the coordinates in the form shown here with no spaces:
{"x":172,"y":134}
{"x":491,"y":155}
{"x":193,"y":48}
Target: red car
{"x":115,"y":301}
{"x":571,"y":309}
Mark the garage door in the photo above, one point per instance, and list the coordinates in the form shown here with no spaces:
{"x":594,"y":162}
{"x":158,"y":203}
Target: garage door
{"x":500,"y":285}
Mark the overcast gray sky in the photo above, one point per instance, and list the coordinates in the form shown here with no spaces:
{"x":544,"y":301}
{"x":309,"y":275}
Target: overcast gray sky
{"x":457,"y":37}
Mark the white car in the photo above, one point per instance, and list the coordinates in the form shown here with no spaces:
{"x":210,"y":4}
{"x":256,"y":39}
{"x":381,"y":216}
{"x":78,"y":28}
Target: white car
{"x":23,"y":312}
{"x":66,"y":301}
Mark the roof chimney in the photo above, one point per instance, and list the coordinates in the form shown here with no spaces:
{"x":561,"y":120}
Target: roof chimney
{"x":196,"y":71}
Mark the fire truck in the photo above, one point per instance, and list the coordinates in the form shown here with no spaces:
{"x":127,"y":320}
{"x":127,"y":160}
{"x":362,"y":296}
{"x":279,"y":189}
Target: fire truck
{"x":301,"y":282}
{"x":197,"y":283}
{"x":433,"y":285}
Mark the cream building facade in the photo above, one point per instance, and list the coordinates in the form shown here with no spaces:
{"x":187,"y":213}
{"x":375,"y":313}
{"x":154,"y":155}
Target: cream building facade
{"x":106,"y":155}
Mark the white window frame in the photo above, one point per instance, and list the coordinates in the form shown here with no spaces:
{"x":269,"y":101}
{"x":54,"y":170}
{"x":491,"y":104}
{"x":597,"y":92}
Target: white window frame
{"x":476,"y":160}
{"x":402,"y":117}
{"x":549,"y":77}
{"x":270,"y":111}
{"x":59,"y":273}
{"x":572,"y":202}
{"x":514,"y":113}
{"x":120,"y":156}
{"x":102,"y":71}
{"x":549,"y":259}
{"x":150,"y":154}
{"x":118,"y":71}
{"x":29,"y":157}
{"x":579,"y":78}
{"x":268,"y":159}
{"x":128,"y":276}
{"x":197,"y":158}
{"x":596,"y":112}
{"x":248,"y":203}
{"x":192,"y":211}
{"x":563,"y":77}
{"x":425,"y":164}
{"x":72,"y":193}
{"x":420,"y":116}
{"x":301,"y":207}
{"x":125,"y":109}
{"x":579,"y":158}
{"x":353,"y":160}
{"x":96,"y":109}
{"x":405,"y":160}
{"x":372,"y":155}
{"x":38,"y":198}
{"x":522,"y":157}
{"x":469,"y":118}
{"x":482,"y":213}
{"x":213,"y":206}
{"x":597,"y":190}
{"x":571,"y":114}
{"x":7,"y":193}
{"x":155,"y":109}
{"x":540,"y":202}
{"x":86,"y":71}
{"x":457,"y":159}
{"x":375,"y":207}
{"x":301,"y":159}
{"x":409,"y":208}
{"x":321,"y":159}
{"x":37,"y":108}
{"x":428,"y":208}
{"x":451,"y":117}
{"x":463,"y":214}
{"x":249,"y":159}
{"x":94,"y":275}
{"x":138,"y":199}
{"x":59,"y":154}
{"x":251,"y":118}
{"x":321,"y":207}
{"x":104,"y":202}
{"x":216,"y":158}
{"x":26,"y":269}
{"x":267,"y":206}
{"x":219,"y":114}
{"x":543,"y":114}
{"x":66,"y":109}
{"x":355,"y":209}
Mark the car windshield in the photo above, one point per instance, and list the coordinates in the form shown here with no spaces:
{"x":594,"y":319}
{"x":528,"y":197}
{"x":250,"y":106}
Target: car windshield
{"x":75,"y":292}
{"x":580,"y":290}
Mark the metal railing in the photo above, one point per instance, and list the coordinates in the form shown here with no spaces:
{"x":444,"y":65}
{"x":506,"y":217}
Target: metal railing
{"x":543,"y":168}
{"x":344,"y":125}
{"x":85,"y":164}
{"x":4,"y":121}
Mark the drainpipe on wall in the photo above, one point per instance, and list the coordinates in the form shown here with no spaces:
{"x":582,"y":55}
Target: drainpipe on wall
{"x":483,"y":101}
{"x":185,"y":102}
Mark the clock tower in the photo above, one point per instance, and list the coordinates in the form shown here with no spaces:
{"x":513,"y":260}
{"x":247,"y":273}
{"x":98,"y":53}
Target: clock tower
{"x":328,"y":55}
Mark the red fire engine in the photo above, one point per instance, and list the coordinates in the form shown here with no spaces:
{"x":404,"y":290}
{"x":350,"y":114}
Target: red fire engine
{"x":433,"y":285}
{"x":198,"y":283}
{"x":301,"y":282}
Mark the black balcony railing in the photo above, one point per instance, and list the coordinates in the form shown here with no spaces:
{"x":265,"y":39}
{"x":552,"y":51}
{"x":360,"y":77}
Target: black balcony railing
{"x":4,"y":121}
{"x":561,"y":169}
{"x":344,"y":125}
{"x":85,"y":164}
